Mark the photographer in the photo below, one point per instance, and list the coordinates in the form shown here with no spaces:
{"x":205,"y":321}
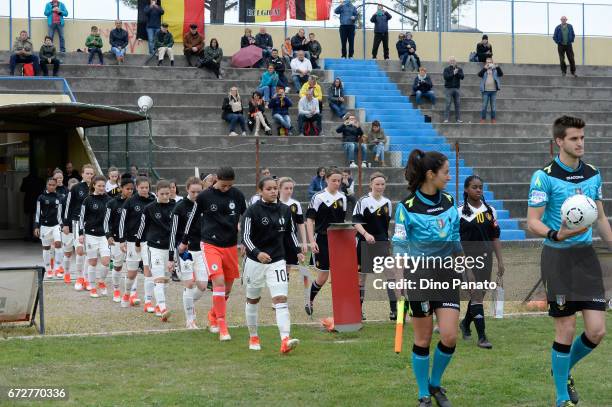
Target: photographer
{"x":453,"y":75}
{"x":489,"y":86}
{"x":352,"y":139}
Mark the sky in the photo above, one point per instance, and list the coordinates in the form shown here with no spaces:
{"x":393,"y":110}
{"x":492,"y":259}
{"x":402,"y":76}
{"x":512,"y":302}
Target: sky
{"x":531,"y":17}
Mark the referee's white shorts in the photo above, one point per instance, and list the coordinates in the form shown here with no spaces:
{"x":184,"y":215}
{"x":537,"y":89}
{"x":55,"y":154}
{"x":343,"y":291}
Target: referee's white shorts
{"x":133,"y":257}
{"x":96,"y":246}
{"x":50,"y":234}
{"x":273,"y":275}
{"x":193,"y":270}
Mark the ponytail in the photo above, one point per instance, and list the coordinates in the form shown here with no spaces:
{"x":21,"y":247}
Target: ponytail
{"x":419,"y":163}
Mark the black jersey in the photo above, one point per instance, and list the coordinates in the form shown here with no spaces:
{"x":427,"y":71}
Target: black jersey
{"x":114,"y":207}
{"x":375,"y":216}
{"x":266,"y":225}
{"x":93,"y":212}
{"x":62,"y":192}
{"x":155,"y":225}
{"x":220,"y":213}
{"x":48,"y":210}
{"x":74,"y":201}
{"x":296,"y":211}
{"x":180,"y":216}
{"x":131,"y":215}
{"x":480,"y":226}
{"x":326,"y":208}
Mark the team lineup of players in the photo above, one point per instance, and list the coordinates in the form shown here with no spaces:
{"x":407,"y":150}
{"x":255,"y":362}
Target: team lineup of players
{"x":197,"y":237}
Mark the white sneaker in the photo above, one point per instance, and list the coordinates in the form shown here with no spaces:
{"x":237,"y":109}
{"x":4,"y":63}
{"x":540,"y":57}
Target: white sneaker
{"x":191,"y":325}
{"x":364,"y":164}
{"x":233,"y":134}
{"x":287,"y":89}
{"x":243,"y":133}
{"x":255,"y":134}
{"x":352,"y":165}
{"x":302,"y":135}
{"x":445,"y":121}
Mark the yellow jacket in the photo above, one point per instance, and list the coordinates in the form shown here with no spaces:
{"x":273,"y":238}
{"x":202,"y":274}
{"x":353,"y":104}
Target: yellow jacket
{"x":318,"y":93}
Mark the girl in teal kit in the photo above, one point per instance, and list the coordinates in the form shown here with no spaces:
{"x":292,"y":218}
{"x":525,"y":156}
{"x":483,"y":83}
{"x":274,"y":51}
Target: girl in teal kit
{"x":427,"y":225}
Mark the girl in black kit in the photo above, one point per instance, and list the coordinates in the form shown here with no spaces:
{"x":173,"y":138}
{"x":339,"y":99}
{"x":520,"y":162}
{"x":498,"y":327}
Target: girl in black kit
{"x":374,"y":211}
{"x":480,"y":237}
{"x":155,"y":224}
{"x":327,"y":206}
{"x":91,"y":234}
{"x":267,"y":224}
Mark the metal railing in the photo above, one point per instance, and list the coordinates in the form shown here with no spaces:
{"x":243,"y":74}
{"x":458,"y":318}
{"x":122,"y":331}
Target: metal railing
{"x":65,"y":87}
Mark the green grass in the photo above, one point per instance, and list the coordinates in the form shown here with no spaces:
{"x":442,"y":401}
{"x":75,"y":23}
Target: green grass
{"x":360,"y":369}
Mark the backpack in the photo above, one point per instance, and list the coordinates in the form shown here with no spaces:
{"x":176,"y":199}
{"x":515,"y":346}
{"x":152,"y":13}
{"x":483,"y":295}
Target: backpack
{"x":28,"y":69}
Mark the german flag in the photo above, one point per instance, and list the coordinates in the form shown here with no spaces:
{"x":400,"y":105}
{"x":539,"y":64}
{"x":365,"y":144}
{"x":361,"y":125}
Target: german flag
{"x":310,"y":10}
{"x":262,"y":11}
{"x":180,"y":14}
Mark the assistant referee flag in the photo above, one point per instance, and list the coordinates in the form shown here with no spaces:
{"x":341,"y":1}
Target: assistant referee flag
{"x":180,"y":14}
{"x":262,"y":11}
{"x":310,"y":10}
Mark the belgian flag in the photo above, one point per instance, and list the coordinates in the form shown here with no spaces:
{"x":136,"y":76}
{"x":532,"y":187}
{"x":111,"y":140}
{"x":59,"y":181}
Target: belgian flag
{"x":262,"y":11}
{"x":310,"y":10}
{"x":180,"y":14}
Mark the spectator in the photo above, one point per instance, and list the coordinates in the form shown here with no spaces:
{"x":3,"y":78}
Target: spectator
{"x":264,"y":41}
{"x":232,"y":111}
{"x":247,"y":39}
{"x":280,"y":105}
{"x":377,"y":141}
{"x":212,"y":58}
{"x":269,"y":80}
{"x":484,"y":49}
{"x":164,"y":41}
{"x":119,"y":40}
{"x":348,"y":15}
{"x":55,"y":11}
{"x":48,"y":56}
{"x":402,"y":51}
{"x":257,"y":118}
{"x":71,"y":172}
{"x":564,"y":37}
{"x":489,"y":85}
{"x":22,"y":53}
{"x":93,"y":43}
{"x":193,"y":44}
{"x":314,"y":49}
{"x":300,"y":69}
{"x":352,"y":140}
{"x":287,"y":51}
{"x":317,"y":92}
{"x":411,"y":55}
{"x":423,"y":87}
{"x":347,"y":186}
{"x":153,"y":12}
{"x":336,"y":98}
{"x":300,"y":43}
{"x":317,"y":183}
{"x":308,"y":112}
{"x":381,"y":31}
{"x":453,"y":75}
{"x":133,"y":172}
{"x":279,"y":67}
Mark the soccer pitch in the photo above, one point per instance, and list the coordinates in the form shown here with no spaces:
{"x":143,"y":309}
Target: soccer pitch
{"x":192,"y":368}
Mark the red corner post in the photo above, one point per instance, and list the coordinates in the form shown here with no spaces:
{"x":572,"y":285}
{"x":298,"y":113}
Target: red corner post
{"x":344,"y":276}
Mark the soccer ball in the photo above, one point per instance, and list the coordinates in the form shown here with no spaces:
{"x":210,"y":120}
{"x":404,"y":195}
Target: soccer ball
{"x":578,"y":211}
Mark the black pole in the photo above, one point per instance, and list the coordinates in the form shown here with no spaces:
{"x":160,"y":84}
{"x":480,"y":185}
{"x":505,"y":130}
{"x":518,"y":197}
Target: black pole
{"x":41,"y":301}
{"x":108,"y":147}
{"x":127,"y":149}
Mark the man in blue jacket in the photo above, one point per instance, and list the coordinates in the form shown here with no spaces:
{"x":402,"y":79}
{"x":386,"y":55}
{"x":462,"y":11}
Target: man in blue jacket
{"x":348,"y":16}
{"x":55,"y":12}
{"x":381,"y":31}
{"x":564,"y":37}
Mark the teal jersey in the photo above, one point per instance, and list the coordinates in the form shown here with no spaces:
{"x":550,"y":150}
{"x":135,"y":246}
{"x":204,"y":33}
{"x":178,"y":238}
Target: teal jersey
{"x":556,"y":182}
{"x":426,"y":228}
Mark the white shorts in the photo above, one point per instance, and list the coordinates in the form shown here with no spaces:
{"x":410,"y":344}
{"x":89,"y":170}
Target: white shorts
{"x":159,"y":262}
{"x":117,"y":255}
{"x":50,"y":234}
{"x":186,"y":269}
{"x":258,"y":275}
{"x":96,"y":246}
{"x":67,"y":242}
{"x":133,"y":257}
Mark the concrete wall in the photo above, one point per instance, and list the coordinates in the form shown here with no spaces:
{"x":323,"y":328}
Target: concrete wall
{"x":533,"y":49}
{"x":13,"y":99}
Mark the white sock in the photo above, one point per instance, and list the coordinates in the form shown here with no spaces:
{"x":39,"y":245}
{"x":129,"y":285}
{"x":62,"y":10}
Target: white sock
{"x":47,"y":259}
{"x":59,"y":258}
{"x":116,"y":278}
{"x":160,"y":294}
{"x":79,"y":265}
{"x":251,"y":317}
{"x":92,"y":274}
{"x":149,"y":285}
{"x":134,"y":285}
{"x":102,"y":271}
{"x":188,"y":306}
{"x":84,"y":271}
{"x":66,"y":261}
{"x":282,"y":319}
{"x":197,"y":293}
